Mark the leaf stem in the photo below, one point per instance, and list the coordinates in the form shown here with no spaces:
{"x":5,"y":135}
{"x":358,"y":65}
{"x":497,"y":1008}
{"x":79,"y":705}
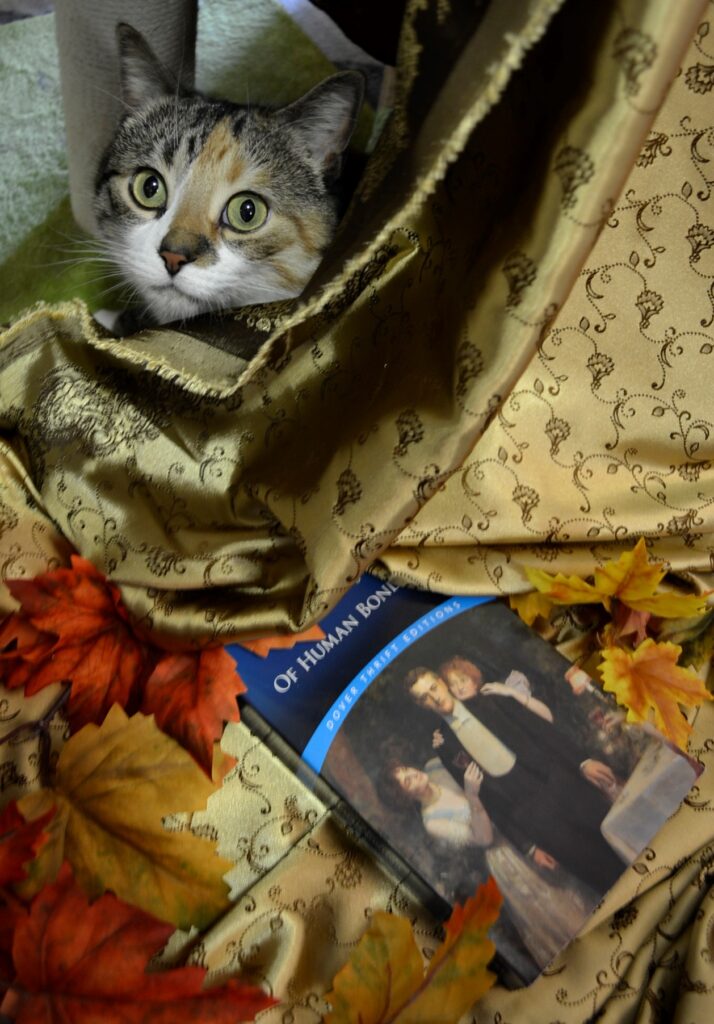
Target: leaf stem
{"x":31,"y":728}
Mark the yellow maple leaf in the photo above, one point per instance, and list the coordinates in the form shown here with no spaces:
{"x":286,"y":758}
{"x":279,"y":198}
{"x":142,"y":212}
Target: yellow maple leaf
{"x":563,"y":589}
{"x":650,"y":684}
{"x":384,"y":980}
{"x":114,"y":785}
{"x":632,"y":579}
{"x":530,"y":606}
{"x":384,"y":970}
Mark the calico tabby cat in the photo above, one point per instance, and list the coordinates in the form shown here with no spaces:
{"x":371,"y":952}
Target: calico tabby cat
{"x":205,"y":204}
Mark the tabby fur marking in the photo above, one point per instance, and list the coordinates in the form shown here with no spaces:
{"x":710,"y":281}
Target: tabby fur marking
{"x":206,"y":205}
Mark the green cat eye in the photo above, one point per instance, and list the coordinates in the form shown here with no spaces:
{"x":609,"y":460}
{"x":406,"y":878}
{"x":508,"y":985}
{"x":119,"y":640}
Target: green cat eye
{"x":148,"y":189}
{"x":245,"y":211}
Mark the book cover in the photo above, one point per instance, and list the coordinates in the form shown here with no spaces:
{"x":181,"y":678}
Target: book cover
{"x":469,"y":746}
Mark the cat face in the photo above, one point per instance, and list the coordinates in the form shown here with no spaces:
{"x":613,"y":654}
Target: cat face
{"x":207,"y":205}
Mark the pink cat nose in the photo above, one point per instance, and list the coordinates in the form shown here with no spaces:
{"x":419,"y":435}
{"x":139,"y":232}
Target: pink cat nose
{"x":173,"y":260}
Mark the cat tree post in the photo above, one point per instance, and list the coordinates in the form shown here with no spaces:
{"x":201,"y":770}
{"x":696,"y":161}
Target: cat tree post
{"x":90,"y":75}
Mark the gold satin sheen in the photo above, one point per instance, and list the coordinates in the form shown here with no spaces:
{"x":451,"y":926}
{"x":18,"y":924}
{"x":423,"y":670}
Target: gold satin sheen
{"x":505,"y":362}
{"x":476,"y":382}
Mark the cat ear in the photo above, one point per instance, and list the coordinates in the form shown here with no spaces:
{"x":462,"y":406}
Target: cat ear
{"x":142,"y":77}
{"x":323,"y":119}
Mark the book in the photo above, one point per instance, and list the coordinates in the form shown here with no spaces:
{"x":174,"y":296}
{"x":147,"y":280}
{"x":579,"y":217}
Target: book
{"x":457,"y":743}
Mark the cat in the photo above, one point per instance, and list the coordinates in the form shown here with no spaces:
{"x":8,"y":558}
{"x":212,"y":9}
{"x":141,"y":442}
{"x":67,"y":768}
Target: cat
{"x":204,"y":204}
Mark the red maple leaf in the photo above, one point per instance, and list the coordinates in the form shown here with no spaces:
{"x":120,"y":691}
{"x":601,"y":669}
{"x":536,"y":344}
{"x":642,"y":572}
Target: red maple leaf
{"x":629,"y":622}
{"x":22,"y":647}
{"x":8,"y":920}
{"x":191,"y":696}
{"x":82,"y":636}
{"x":19,"y":842}
{"x":84,"y":963}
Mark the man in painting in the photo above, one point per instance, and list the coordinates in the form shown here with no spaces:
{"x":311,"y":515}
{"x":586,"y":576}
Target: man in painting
{"x":536,"y":783}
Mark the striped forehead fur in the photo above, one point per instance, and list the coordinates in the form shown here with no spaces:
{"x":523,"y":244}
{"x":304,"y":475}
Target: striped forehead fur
{"x":207,"y":205}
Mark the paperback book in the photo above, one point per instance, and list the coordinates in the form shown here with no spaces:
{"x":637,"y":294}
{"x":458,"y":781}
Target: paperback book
{"x":459,"y":744}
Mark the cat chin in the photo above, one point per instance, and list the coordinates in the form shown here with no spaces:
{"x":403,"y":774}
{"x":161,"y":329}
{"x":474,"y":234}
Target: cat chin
{"x":165,"y":305}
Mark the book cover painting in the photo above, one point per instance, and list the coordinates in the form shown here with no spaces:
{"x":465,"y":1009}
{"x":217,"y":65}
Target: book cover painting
{"x":473,"y":748}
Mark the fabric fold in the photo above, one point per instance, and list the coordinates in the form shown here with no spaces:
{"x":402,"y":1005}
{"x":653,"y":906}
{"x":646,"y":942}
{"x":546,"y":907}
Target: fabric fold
{"x":415,"y":402}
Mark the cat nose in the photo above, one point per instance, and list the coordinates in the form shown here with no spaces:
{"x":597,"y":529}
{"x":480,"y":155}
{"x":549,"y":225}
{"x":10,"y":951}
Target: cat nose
{"x":173,"y":260}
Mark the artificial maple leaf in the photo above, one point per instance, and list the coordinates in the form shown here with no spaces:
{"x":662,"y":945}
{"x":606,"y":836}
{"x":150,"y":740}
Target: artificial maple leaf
{"x":47,"y":861}
{"x":84,"y":963}
{"x":221,"y":765}
{"x":94,"y":647}
{"x":384,"y":981}
{"x":531,"y":606}
{"x":22,"y":648}
{"x":113,"y":786}
{"x":8,"y":920}
{"x":19,"y":842}
{"x":562,"y":589}
{"x":20,"y":634}
{"x":648,"y":681}
{"x":627,"y":622}
{"x":192,"y":695}
{"x":284,"y":641}
{"x":632,"y":579}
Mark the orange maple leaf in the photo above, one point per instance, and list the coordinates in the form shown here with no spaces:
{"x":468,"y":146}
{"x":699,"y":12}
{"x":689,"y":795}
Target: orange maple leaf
{"x":20,"y":841}
{"x":83,"y":637}
{"x":632,"y":579}
{"x":649,"y":682}
{"x":384,"y":980}
{"x":284,"y":641}
{"x":83,"y":962}
{"x":191,"y":696}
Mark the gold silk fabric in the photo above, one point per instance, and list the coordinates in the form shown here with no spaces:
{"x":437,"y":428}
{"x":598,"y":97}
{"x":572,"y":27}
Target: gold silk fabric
{"x":505,"y":361}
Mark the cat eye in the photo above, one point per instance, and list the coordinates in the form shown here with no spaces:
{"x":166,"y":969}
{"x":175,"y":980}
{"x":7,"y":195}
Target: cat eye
{"x":148,"y":189}
{"x":245,"y":211}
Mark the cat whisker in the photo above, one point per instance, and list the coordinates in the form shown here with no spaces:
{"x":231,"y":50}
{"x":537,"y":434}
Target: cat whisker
{"x":83,"y":246}
{"x":131,"y":291}
{"x":86,"y":251}
{"x":214,"y":148}
{"x":103,"y":288}
{"x":72,"y":239}
{"x":86,"y":257}
{"x":62,"y":265}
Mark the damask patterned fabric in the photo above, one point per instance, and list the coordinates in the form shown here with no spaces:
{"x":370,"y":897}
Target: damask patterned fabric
{"x":427,"y":405}
{"x":504,"y":363}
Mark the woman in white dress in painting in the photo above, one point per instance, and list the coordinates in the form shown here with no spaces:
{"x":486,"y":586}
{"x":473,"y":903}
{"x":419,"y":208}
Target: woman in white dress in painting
{"x":545,"y":915}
